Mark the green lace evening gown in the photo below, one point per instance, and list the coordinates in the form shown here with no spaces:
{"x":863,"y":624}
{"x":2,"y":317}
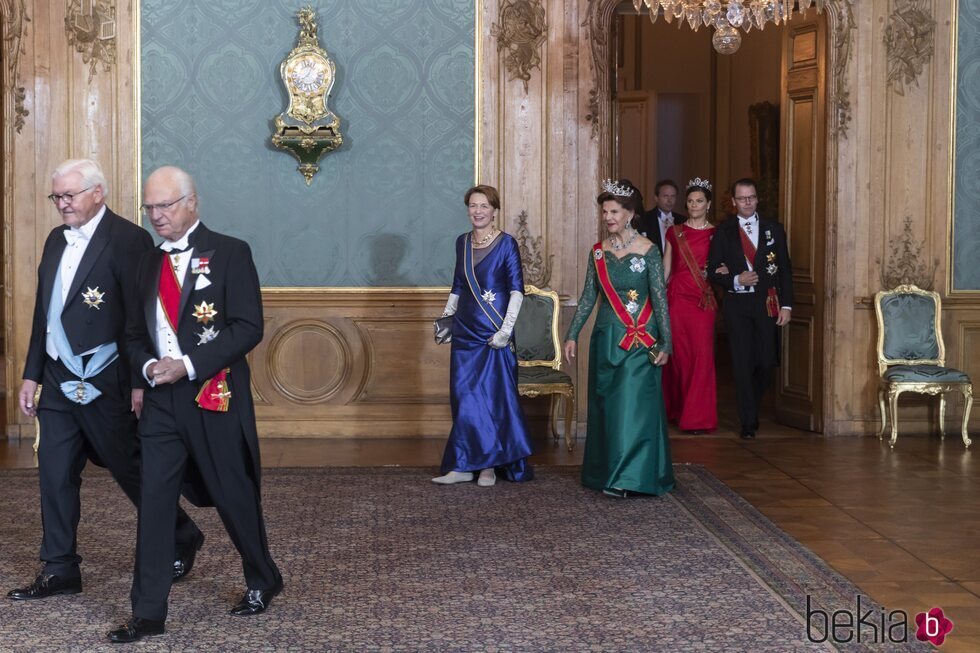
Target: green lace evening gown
{"x":626,"y":446}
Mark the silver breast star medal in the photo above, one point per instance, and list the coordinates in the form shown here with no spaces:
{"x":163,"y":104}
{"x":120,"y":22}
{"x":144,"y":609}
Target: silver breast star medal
{"x":93,"y":298}
{"x":204,"y":312}
{"x":489,"y":296}
{"x":637,"y":264}
{"x":206,"y":335}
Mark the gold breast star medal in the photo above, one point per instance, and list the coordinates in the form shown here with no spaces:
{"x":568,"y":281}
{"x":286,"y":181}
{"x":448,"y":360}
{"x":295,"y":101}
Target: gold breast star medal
{"x":93,"y":298}
{"x":489,"y":296}
{"x":771,"y":268}
{"x":632,"y":307}
{"x":206,"y":335}
{"x":204,"y":312}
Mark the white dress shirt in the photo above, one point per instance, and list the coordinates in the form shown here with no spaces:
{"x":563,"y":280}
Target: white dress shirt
{"x":70,"y":259}
{"x":666,"y":221}
{"x":165,"y":337}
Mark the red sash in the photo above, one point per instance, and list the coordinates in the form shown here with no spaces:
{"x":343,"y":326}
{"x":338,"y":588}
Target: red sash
{"x":636,"y":331}
{"x":772,"y":300}
{"x":214,"y":394}
{"x":169,"y":291}
{"x":707,"y":297}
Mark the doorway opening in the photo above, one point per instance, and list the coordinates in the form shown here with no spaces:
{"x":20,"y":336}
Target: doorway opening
{"x":680,"y":110}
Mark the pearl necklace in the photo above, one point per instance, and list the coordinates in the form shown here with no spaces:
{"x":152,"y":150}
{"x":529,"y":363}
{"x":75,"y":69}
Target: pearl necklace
{"x":624,"y":244}
{"x":486,"y":239}
{"x":704,"y":226}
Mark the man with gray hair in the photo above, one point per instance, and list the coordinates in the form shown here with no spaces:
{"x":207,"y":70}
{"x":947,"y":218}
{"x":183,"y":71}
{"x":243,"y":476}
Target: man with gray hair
{"x":199,"y":315}
{"x":90,"y":400}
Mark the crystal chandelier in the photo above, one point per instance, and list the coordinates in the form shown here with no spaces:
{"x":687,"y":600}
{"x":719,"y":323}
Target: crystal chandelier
{"x":727,"y":16}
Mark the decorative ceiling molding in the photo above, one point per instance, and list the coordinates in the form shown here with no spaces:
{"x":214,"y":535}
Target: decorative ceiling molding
{"x":537,"y":265}
{"x":521,"y":31}
{"x":15,"y":20}
{"x":906,"y":263}
{"x":91,"y":28}
{"x":909,"y":43}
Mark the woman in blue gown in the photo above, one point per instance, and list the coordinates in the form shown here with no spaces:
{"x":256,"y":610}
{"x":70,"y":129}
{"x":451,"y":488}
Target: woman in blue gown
{"x":489,"y":434}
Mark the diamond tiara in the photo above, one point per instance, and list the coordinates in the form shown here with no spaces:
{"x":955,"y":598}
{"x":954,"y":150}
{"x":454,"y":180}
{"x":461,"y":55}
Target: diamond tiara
{"x":613,"y":188}
{"x":702,"y":183}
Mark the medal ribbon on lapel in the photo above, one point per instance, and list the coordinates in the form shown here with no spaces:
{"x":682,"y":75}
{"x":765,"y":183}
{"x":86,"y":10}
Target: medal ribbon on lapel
{"x":214,"y":394}
{"x":474,"y":285}
{"x":636,"y":331}
{"x":169,"y":291}
{"x":707,"y":297}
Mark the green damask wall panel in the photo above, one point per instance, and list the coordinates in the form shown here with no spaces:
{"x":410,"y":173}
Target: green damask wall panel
{"x":966,"y":227}
{"x":385,"y":209}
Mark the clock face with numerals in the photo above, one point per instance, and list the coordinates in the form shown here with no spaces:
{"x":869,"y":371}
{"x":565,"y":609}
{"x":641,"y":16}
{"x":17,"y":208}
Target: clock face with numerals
{"x":309,"y":75}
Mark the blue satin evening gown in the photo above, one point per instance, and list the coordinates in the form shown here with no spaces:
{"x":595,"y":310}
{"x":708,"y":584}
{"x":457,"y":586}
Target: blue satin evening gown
{"x":488,"y":424}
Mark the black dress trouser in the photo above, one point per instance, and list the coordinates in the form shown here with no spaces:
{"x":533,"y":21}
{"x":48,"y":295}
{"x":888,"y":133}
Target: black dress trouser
{"x":104,"y":430}
{"x":753,"y":341}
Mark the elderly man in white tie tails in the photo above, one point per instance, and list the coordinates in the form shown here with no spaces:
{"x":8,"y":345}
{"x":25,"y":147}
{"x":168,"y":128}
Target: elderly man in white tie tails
{"x":90,"y":399}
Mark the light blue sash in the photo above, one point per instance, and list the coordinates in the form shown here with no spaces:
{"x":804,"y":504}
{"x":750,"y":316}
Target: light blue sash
{"x":488,"y":308}
{"x":81,"y":392}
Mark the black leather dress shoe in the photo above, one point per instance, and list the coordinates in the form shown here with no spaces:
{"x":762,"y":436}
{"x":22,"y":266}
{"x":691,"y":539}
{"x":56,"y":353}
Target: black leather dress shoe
{"x":46,"y":585}
{"x":256,"y":601}
{"x":134,"y":629}
{"x":747,"y":435}
{"x":185,"y":559}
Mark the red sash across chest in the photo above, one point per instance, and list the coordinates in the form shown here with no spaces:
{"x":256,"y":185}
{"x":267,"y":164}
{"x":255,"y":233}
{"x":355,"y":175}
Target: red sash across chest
{"x":636,"y":330}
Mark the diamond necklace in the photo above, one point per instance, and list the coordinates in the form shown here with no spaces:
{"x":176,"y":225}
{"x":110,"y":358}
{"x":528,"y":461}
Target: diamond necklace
{"x":626,"y":243}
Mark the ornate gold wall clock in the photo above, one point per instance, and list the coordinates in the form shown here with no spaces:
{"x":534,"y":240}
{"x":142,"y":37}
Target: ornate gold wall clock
{"x":308,"y":129}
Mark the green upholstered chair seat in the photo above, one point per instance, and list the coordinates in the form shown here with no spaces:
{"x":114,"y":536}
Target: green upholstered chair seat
{"x":924,"y":374}
{"x":541,"y":375}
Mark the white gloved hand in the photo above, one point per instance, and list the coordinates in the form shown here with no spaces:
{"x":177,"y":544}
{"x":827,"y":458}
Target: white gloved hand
{"x":502,"y":337}
{"x":451,"y":305}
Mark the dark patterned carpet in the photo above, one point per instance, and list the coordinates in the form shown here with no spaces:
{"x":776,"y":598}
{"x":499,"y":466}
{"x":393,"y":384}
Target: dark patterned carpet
{"x":383,"y":560}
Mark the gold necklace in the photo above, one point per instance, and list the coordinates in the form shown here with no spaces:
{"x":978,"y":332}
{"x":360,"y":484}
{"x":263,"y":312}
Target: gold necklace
{"x":486,"y":239}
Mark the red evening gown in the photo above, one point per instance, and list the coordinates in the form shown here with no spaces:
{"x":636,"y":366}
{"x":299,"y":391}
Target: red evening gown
{"x":689,"y":376}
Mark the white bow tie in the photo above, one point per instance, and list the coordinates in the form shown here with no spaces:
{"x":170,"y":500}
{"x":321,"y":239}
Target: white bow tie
{"x":179,"y":245}
{"x":73,"y":236}
{"x":667,"y":218}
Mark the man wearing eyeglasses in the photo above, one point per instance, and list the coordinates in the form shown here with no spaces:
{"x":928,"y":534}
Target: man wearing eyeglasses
{"x":199,"y":314}
{"x":759,"y":297}
{"x":90,"y":399}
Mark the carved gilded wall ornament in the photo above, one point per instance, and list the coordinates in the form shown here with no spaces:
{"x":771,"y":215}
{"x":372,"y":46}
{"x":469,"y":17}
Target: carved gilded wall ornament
{"x":521,"y":31}
{"x":15,"y":27}
{"x":906,"y":263}
{"x":537,"y":266}
{"x":308,"y":129}
{"x":91,"y":28}
{"x":909,"y":42}
{"x":843,"y":27}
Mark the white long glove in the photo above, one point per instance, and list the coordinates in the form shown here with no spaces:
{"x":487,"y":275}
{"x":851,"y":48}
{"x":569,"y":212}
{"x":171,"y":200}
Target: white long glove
{"x":502,"y":337}
{"x":451,"y":305}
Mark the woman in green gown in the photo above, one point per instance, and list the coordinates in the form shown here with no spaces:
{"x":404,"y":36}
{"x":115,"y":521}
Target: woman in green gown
{"x":626,"y":446}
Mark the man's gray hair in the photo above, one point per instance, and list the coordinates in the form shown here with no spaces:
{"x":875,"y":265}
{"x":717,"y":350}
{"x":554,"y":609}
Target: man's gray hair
{"x":89,"y":170}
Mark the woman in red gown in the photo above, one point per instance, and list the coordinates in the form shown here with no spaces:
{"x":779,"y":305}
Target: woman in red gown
{"x":689,"y":377}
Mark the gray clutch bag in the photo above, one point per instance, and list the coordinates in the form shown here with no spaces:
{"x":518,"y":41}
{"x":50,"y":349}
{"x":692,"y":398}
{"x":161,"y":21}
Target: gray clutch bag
{"x":443,"y":329}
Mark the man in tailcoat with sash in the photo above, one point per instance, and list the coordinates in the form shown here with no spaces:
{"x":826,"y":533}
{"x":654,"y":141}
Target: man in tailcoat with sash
{"x":759,"y":296}
{"x":89,"y":402}
{"x":198,"y":314}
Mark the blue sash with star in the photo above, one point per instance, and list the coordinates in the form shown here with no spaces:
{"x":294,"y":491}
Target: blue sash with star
{"x":496,"y":319}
